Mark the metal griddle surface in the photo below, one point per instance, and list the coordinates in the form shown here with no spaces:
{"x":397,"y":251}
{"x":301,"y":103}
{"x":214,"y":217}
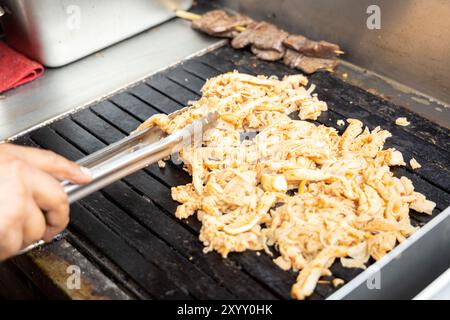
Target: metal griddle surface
{"x":129,"y":229}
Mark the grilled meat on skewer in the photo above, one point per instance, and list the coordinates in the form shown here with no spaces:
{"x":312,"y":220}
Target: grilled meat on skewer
{"x":310,"y":48}
{"x":265,"y":38}
{"x":308,"y":64}
{"x":219,"y":24}
{"x":268,"y":42}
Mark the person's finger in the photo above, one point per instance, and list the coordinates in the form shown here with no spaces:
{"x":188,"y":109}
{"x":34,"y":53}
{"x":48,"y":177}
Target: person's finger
{"x":34,"y":226}
{"x":50,"y":198}
{"x":51,"y":232}
{"x":11,"y":243}
{"x":51,"y":163}
{"x":13,"y":196}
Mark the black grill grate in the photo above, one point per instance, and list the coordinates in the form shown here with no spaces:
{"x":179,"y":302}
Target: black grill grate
{"x":132,"y":222}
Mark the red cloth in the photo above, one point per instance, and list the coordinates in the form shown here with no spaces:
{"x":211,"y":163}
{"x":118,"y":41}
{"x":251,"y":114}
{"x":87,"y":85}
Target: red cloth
{"x":15,"y":68}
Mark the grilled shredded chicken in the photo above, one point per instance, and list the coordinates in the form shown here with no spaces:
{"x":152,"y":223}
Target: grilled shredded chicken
{"x":312,"y":194}
{"x":336,"y":282}
{"x":414,"y":164}
{"x":402,"y":121}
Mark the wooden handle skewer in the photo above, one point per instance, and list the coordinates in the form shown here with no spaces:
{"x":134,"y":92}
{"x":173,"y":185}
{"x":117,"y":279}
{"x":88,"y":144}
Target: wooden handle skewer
{"x":187,"y":15}
{"x":193,"y":16}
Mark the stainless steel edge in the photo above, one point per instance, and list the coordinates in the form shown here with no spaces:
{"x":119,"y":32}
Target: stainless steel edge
{"x":65,"y":90}
{"x":406,"y":270}
{"x":439,"y":289}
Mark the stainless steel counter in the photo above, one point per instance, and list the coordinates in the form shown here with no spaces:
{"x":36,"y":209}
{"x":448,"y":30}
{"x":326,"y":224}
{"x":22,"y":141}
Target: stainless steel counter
{"x":69,"y":88}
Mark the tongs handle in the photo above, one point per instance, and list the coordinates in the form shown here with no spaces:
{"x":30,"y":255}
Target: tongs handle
{"x":141,"y":155}
{"x":128,"y":156}
{"x":111,"y":170}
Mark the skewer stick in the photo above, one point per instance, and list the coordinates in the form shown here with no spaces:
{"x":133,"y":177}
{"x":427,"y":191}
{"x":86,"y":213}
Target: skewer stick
{"x":240,"y":28}
{"x":187,"y":15}
{"x":193,"y":16}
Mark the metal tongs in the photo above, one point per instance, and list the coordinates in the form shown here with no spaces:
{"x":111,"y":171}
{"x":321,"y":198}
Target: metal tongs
{"x":131,"y":154}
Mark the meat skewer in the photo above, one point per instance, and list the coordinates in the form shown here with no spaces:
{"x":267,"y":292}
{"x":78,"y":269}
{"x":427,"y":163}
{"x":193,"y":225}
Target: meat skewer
{"x":293,"y":41}
{"x":267,"y":41}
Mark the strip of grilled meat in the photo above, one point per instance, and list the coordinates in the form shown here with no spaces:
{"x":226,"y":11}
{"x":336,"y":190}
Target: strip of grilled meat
{"x":219,"y":24}
{"x":265,"y":38}
{"x":310,"y":48}
{"x":308,"y":64}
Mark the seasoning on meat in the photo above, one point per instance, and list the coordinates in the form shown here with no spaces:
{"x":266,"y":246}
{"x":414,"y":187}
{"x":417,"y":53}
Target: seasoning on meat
{"x":402,"y":121}
{"x":414,"y":164}
{"x":301,"y":188}
{"x":310,"y":48}
{"x":219,"y":24}
{"x":266,"y":40}
{"x":308,"y":64}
